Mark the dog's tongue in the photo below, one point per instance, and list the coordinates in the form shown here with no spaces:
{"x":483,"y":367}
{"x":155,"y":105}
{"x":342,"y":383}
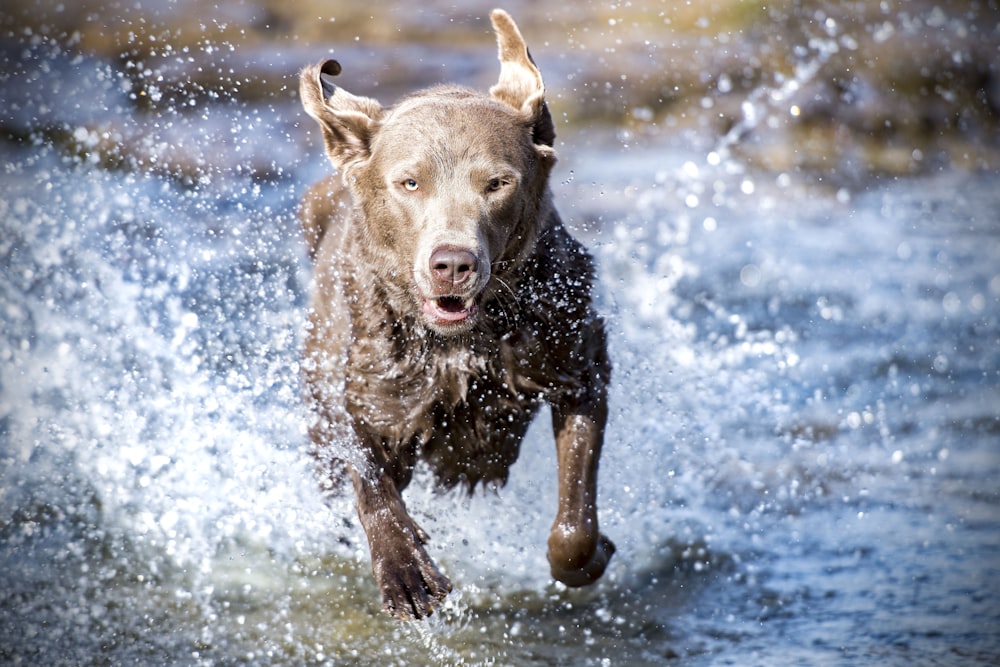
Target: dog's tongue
{"x":446,"y":308}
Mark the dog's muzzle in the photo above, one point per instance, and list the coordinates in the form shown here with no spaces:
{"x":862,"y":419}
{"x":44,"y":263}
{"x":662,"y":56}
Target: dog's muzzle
{"x":455,"y":287}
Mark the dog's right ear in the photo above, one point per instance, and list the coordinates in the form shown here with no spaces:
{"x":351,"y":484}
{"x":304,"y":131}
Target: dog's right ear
{"x":348,"y":121}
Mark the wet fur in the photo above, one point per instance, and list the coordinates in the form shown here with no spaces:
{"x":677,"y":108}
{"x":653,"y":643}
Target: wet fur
{"x":388,"y":382}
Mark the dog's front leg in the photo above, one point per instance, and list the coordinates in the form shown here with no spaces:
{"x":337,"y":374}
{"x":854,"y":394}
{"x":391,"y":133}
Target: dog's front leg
{"x":410,"y":583}
{"x":578,"y":552}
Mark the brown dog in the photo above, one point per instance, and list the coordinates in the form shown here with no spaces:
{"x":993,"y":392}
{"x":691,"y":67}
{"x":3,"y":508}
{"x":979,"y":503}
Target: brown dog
{"x":449,"y":303}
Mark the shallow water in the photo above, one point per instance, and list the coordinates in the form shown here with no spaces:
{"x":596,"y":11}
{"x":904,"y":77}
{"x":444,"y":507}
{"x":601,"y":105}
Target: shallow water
{"x":801,"y":466}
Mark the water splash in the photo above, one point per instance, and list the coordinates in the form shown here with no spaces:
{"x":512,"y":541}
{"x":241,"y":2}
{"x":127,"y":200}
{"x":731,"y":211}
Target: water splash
{"x":773,"y":103}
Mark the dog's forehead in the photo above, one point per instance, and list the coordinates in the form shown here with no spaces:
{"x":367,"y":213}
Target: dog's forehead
{"x":453,"y":121}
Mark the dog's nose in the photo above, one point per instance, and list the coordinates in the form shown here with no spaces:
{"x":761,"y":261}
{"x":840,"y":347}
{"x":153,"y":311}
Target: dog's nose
{"x":452,"y":265}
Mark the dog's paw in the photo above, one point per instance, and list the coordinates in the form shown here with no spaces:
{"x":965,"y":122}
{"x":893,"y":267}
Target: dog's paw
{"x":574,"y":565}
{"x":410,"y":583}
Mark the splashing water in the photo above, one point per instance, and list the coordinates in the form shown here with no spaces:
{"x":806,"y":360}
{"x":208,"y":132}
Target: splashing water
{"x":770,"y":103}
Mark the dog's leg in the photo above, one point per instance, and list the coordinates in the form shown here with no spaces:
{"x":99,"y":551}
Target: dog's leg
{"x":410,"y":583}
{"x":578,"y":552}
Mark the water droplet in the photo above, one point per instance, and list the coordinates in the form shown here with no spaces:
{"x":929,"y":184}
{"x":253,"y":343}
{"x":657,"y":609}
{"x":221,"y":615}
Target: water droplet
{"x":951,"y":303}
{"x":750,"y":275}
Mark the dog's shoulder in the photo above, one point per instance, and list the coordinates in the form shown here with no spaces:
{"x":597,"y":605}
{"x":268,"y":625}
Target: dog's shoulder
{"x":323,"y":205}
{"x":560,"y":273}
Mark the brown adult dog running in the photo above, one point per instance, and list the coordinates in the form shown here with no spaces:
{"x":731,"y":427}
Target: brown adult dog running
{"x":449,"y":302}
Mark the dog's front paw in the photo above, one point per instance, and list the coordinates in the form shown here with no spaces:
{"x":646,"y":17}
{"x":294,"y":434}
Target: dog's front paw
{"x":577,"y":560}
{"x":410,"y":582}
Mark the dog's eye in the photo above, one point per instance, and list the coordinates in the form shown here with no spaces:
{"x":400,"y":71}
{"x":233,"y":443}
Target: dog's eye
{"x":411,"y":185}
{"x":495,"y":184}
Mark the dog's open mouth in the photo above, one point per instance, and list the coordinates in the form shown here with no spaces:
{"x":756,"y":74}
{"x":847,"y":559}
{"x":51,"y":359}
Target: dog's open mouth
{"x":445,"y":310}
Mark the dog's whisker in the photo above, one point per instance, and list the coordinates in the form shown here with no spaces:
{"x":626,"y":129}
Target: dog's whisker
{"x":507,"y":305}
{"x":506,"y":285}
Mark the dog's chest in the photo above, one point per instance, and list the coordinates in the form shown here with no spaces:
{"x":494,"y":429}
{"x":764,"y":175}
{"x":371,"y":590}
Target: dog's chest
{"x":462,"y":409}
{"x":392,"y":388}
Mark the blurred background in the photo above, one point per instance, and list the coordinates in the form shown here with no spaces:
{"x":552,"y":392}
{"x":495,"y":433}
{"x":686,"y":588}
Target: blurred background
{"x":849,"y":88}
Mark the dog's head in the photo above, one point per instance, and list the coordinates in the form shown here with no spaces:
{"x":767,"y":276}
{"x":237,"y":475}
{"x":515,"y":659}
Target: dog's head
{"x":451,"y":185}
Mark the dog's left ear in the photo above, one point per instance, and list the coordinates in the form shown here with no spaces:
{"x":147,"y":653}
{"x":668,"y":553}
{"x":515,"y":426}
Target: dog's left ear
{"x":520,"y":84}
